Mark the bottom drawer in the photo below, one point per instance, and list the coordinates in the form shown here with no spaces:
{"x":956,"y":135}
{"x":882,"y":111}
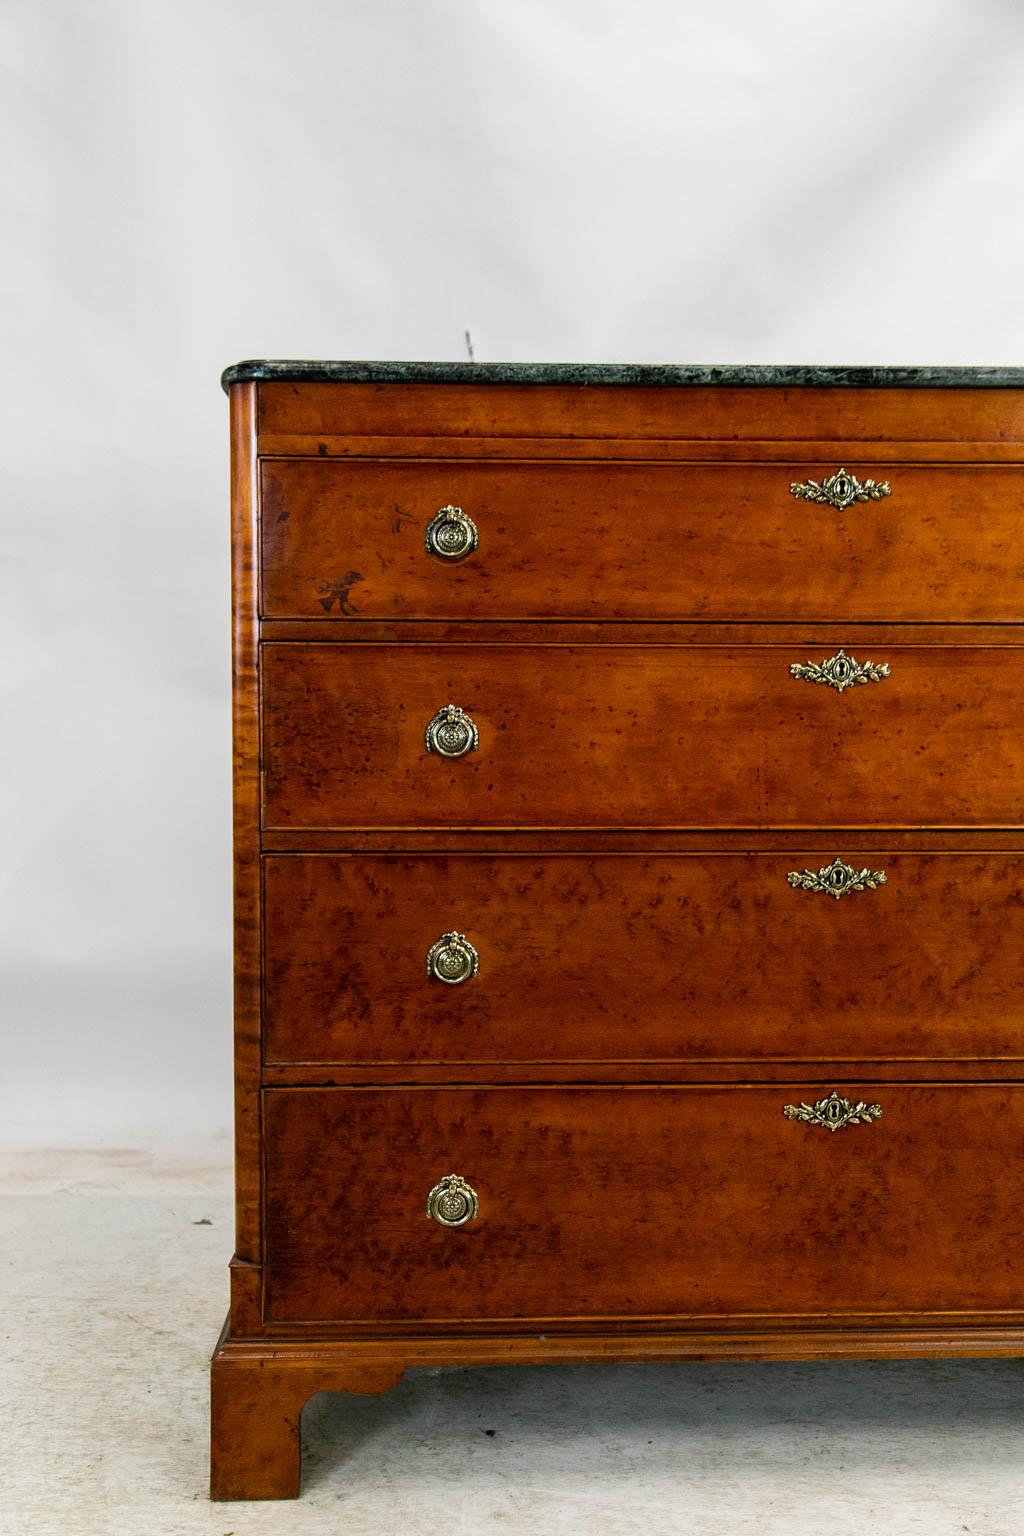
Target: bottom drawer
{"x":643,"y":1201}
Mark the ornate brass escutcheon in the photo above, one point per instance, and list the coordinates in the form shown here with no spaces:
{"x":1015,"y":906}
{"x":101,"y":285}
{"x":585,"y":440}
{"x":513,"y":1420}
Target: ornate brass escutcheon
{"x":834,"y":1113}
{"x":841,"y":490}
{"x":840,"y":671}
{"x":836,"y":879}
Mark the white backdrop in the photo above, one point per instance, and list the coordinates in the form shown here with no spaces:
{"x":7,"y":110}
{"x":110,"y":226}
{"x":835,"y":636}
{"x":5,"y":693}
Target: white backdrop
{"x":194,"y":181}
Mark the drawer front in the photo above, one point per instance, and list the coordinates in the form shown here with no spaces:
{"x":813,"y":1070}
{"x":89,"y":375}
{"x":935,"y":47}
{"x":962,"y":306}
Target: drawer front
{"x":631,"y":736}
{"x":657,"y":1202}
{"x":717,"y":416}
{"x":627,"y":541}
{"x":624,"y":958}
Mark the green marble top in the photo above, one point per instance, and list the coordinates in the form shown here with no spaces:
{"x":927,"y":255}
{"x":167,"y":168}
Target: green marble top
{"x":648,"y":374}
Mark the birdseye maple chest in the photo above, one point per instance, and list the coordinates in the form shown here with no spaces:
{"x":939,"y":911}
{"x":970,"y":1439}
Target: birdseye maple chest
{"x":629,"y":898}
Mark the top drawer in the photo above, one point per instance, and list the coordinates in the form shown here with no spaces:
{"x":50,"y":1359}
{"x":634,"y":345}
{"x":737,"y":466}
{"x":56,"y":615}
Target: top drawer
{"x":694,"y":541}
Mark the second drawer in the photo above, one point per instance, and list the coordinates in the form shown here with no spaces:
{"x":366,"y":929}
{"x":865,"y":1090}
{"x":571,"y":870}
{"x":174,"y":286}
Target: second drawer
{"x":354,"y":539}
{"x":618,"y":957}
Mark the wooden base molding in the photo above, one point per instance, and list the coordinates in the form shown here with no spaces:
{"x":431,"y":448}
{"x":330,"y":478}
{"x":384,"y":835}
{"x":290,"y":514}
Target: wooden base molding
{"x":257,"y":1394}
{"x":259,"y":1387}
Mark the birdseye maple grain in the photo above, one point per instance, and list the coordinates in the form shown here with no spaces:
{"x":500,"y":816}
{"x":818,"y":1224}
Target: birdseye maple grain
{"x":641,"y":541}
{"x":652,"y":990}
{"x":640,"y":736}
{"x":624,"y":957}
{"x":696,"y":1202}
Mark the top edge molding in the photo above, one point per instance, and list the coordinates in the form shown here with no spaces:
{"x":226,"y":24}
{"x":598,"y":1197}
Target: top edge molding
{"x":758,"y":375}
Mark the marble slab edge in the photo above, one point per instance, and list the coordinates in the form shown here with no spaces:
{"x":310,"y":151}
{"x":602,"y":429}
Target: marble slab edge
{"x":632,"y":374}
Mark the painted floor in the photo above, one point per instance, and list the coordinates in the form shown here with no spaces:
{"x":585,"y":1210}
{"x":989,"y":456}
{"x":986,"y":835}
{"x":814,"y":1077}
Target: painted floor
{"x":113,"y":1291}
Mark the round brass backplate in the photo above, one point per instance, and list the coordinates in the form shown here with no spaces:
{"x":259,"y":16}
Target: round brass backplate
{"x":452,"y":1202}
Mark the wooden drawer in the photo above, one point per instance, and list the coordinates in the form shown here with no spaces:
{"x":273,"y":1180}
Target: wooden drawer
{"x":632,"y":1202}
{"x":611,"y":957}
{"x":641,"y":541}
{"x":712,"y":419}
{"x":640,"y":736}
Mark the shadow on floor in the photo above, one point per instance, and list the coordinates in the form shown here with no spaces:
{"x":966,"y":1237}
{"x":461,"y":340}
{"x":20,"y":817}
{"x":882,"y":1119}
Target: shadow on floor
{"x":796,"y":1420}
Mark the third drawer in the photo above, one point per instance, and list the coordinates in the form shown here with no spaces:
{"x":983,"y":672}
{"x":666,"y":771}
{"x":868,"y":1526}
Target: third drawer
{"x":635,"y":957}
{"x":607,"y":735}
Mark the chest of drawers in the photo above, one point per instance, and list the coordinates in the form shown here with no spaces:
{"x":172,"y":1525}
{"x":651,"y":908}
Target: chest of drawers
{"x":629,"y":887}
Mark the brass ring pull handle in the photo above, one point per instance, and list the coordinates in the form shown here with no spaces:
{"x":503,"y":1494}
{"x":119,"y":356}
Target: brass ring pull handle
{"x":451,"y":534}
{"x":452,"y":733}
{"x":840,"y":671}
{"x":452,"y":1202}
{"x":836,"y":879}
{"x":834,"y":1113}
{"x":841,"y":490}
{"x":452,"y":959}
